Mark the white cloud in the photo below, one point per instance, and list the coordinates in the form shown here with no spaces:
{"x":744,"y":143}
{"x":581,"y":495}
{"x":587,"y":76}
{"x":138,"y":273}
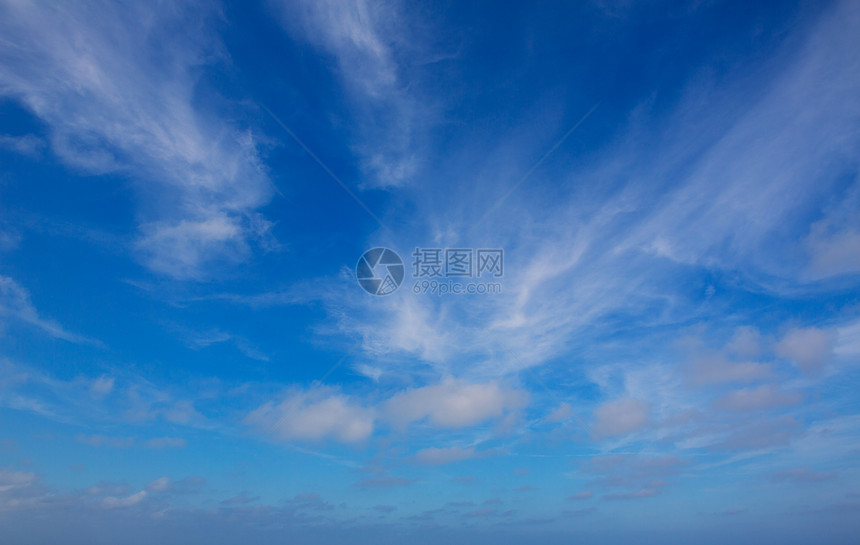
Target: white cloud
{"x":369,"y":40}
{"x":19,"y":490}
{"x":184,"y":412}
{"x":112,"y":502}
{"x":454,"y":403}
{"x":835,"y":254}
{"x":317,"y":414}
{"x":97,"y":76}
{"x":166,"y":442}
{"x":708,"y":366}
{"x":849,"y":339}
{"x":810,"y":349}
{"x":560,"y":414}
{"x":746,"y":343}
{"x":714,"y":368}
{"x":369,"y":371}
{"x":105,"y":441}
{"x":25,"y":145}
{"x":162,"y":484}
{"x":620,"y":417}
{"x":439,"y":456}
{"x":15,"y":304}
{"x":726,"y":156}
{"x":101,"y":386}
{"x":755,"y":399}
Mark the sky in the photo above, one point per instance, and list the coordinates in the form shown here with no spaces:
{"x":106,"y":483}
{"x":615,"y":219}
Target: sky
{"x":233,"y":306}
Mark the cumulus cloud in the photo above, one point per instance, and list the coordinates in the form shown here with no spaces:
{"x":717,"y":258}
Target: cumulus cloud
{"x":746,"y":343}
{"x":755,"y":399}
{"x":162,"y":484}
{"x":454,"y":403}
{"x":584,"y":495}
{"x":384,"y":482}
{"x":112,"y":502}
{"x":712,"y":367}
{"x":810,"y":349}
{"x":98,"y":440}
{"x":16,"y":488}
{"x":633,"y":476}
{"x":316,"y":414}
{"x":802,"y":475}
{"x":166,"y":442}
{"x":560,"y":414}
{"x":101,"y":386}
{"x":634,"y":495}
{"x":620,"y":417}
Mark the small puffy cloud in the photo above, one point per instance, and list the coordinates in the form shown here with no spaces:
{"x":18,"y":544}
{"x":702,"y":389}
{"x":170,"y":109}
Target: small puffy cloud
{"x":746,"y":342}
{"x":438,"y":456}
{"x":241,"y":499}
{"x":369,"y":371}
{"x":634,"y":495}
{"x":314,"y":415}
{"x":833,"y":253}
{"x":454,"y":404}
{"x":754,"y":399}
{"x":714,"y":368}
{"x":105,"y":441}
{"x":182,"y":486}
{"x":108,"y":489}
{"x":584,"y":495}
{"x":620,"y":417}
{"x":112,"y":502}
{"x":384,"y":482}
{"x":560,"y":414}
{"x":183,"y":412}
{"x":10,"y":479}
{"x":810,"y":349}
{"x":162,"y":484}
{"x":849,"y":340}
{"x":101,"y":386}
{"x":802,"y":475}
{"x":166,"y":442}
{"x":480,"y":513}
{"x":762,"y":434}
{"x":732,"y":363}
{"x":633,"y":476}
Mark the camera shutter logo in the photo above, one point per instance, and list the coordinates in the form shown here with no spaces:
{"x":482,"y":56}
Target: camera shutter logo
{"x":380,"y":271}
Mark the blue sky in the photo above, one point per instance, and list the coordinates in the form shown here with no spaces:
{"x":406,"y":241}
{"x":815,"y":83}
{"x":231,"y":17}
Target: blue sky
{"x":672,"y":351}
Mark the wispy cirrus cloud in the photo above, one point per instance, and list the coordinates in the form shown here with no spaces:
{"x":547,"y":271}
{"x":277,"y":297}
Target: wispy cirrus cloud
{"x":637,"y":221}
{"x":115,"y":101}
{"x":16,"y":306}
{"x":373,"y":45}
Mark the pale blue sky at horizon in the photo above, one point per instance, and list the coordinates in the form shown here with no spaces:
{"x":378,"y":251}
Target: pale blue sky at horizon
{"x":671,"y":353}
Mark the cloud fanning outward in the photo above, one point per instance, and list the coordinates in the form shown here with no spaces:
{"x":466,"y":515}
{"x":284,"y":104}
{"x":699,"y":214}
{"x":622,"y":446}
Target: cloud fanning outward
{"x":672,"y":354}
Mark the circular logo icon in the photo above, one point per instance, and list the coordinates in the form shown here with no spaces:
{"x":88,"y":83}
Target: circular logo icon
{"x":380,"y":271}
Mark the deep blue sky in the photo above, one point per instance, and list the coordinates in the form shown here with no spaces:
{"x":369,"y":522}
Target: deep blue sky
{"x":671,"y":354}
